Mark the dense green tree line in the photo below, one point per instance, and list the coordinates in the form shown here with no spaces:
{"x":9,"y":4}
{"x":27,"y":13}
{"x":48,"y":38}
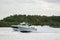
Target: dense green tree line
{"x":53,"y":21}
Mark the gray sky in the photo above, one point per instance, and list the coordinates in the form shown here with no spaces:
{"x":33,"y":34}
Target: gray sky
{"x":29,"y":7}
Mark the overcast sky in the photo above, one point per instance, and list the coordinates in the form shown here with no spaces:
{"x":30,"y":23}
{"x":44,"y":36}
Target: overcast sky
{"x":29,"y":7}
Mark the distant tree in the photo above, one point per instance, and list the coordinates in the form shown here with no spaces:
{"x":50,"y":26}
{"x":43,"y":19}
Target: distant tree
{"x":31,"y":19}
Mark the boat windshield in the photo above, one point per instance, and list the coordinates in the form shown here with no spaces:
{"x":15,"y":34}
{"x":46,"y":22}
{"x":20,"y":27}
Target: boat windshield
{"x":24,"y":24}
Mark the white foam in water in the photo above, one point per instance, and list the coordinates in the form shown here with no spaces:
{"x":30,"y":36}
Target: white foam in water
{"x":47,"y":29}
{"x":42,"y":33}
{"x":40,"y":29}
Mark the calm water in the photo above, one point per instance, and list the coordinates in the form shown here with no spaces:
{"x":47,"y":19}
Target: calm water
{"x":42,"y":33}
{"x":40,"y":29}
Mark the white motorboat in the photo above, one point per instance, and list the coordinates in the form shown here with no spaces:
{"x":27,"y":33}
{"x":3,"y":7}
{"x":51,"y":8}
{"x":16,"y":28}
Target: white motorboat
{"x":23,"y":27}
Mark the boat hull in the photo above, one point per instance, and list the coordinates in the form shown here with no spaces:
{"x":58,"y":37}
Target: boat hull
{"x":23,"y":29}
